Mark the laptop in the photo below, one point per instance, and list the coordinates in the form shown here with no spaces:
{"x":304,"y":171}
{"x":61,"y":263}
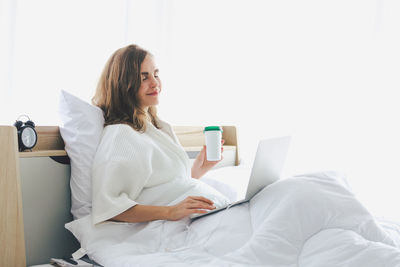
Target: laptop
{"x":267,"y":168}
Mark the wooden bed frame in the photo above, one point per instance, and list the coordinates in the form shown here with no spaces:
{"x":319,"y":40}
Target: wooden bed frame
{"x":35,"y":194}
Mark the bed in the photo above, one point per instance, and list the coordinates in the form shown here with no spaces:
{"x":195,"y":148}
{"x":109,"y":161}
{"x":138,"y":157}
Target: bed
{"x":35,"y":206}
{"x":304,"y":221}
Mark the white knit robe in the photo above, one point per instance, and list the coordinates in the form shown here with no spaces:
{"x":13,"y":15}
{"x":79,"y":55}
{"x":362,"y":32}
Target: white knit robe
{"x":149,"y":168}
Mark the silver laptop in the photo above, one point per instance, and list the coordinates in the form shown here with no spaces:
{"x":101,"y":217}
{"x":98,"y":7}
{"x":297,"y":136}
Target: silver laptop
{"x":267,"y":168}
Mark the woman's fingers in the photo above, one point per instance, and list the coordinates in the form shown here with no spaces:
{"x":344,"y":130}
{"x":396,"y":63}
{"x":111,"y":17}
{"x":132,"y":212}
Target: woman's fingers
{"x":198,"y":202}
{"x":192,"y":204}
{"x":200,"y":205}
{"x":202,"y":199}
{"x":205,"y":208}
{"x":199,"y":211}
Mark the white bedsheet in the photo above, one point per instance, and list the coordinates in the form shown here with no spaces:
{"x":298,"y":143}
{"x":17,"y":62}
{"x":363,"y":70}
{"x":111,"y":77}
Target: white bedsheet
{"x":306,"y":221}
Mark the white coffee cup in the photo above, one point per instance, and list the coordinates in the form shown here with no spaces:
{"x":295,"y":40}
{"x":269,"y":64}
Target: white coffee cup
{"x":213,"y":135}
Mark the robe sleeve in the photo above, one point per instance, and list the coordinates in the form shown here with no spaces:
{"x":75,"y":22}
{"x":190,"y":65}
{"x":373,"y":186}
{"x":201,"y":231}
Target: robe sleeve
{"x":120,"y":171}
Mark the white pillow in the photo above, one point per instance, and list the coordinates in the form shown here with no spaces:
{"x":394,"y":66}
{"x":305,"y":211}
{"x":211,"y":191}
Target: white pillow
{"x":82,"y":128}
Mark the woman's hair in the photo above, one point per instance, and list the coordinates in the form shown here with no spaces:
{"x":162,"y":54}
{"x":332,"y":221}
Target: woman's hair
{"x":117,"y":89}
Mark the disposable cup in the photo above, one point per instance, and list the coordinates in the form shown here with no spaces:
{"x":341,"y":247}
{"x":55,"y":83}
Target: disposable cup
{"x":213,"y":136}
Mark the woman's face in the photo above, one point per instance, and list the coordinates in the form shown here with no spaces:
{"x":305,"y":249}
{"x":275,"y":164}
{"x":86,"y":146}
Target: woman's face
{"x":150,"y":84}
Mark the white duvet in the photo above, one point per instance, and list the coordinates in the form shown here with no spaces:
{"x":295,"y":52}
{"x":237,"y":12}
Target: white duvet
{"x":306,"y":221}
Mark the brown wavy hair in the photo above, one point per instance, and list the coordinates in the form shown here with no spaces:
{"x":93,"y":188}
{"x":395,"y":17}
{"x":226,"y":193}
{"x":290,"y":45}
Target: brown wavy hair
{"x":117,"y":89}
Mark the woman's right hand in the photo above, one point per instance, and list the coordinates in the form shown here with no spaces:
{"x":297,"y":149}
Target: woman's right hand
{"x":190,"y":205}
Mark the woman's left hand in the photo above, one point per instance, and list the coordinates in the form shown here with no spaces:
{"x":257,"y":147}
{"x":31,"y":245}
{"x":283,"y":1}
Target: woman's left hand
{"x":201,"y":165}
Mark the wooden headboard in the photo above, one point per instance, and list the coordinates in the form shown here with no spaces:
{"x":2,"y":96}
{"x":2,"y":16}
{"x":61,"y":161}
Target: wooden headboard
{"x":35,"y":194}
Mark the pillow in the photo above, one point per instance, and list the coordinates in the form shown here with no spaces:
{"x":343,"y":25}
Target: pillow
{"x":82,"y":128}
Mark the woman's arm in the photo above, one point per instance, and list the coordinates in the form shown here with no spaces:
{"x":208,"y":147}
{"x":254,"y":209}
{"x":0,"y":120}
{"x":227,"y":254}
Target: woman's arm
{"x":144,"y":213}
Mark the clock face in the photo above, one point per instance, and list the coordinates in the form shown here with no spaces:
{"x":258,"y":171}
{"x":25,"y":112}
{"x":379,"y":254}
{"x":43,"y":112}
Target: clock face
{"x":28,"y":137}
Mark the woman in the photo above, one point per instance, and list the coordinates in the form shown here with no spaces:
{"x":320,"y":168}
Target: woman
{"x":142,"y":174}
{"x":140,"y":169}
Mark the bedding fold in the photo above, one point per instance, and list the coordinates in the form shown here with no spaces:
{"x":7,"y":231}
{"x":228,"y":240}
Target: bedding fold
{"x":306,"y":221}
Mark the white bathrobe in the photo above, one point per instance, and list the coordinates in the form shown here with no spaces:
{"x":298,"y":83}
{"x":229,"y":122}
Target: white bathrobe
{"x":149,"y":168}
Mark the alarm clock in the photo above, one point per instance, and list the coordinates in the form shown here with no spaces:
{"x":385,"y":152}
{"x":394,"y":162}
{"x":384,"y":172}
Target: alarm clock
{"x":27,"y":136}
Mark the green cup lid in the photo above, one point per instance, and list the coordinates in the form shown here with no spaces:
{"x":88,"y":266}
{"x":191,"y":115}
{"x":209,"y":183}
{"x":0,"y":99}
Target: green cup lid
{"x":212,"y":128}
